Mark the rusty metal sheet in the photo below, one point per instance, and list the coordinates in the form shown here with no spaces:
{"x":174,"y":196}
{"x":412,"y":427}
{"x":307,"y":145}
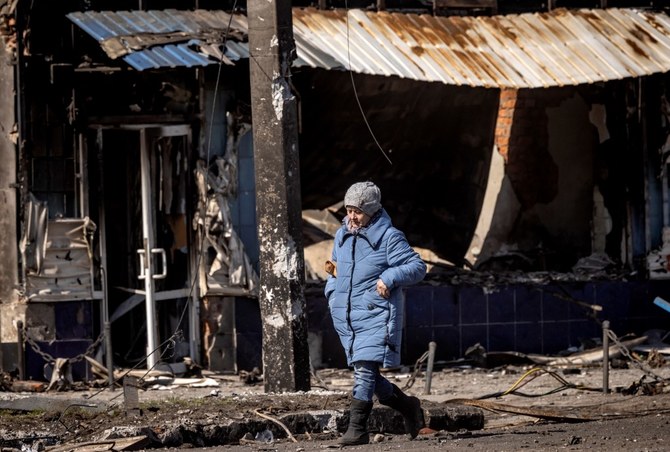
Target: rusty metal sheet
{"x":533,"y":50}
{"x":170,"y":38}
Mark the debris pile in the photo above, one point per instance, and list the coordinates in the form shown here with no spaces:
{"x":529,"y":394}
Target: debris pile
{"x":658,"y":261}
{"x":8,"y":26}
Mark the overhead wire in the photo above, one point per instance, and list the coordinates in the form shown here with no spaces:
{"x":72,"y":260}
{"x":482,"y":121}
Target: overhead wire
{"x":353,"y":85}
{"x":177,"y":334}
{"x":201,"y":250}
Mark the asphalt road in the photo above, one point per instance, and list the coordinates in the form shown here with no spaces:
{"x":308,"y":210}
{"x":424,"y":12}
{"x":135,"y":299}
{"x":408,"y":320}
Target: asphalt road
{"x":622,"y":422}
{"x":626,"y":419}
{"x":640,"y":433}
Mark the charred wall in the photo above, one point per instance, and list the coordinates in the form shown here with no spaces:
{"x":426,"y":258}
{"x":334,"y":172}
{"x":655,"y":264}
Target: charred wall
{"x":575,"y":161}
{"x":548,"y":144}
{"x":438,"y":139}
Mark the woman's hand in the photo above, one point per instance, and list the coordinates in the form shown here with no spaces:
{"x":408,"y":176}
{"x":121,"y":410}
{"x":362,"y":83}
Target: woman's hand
{"x":382,"y":290}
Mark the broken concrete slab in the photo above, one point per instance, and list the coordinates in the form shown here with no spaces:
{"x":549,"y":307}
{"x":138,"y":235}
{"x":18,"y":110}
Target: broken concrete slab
{"x":219,"y":429}
{"x":50,"y":404}
{"x":200,"y":417}
{"x":451,"y":417}
{"x":207,"y":432}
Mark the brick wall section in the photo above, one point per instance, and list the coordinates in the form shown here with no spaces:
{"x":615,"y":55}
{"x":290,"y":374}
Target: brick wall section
{"x":522,"y":139}
{"x":506,"y":108}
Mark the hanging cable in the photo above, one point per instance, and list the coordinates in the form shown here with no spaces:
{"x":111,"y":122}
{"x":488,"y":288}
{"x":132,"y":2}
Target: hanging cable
{"x":201,"y":251}
{"x":529,"y":376}
{"x":353,"y":85}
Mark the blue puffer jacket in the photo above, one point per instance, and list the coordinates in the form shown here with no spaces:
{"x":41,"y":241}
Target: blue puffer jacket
{"x":369,"y":326}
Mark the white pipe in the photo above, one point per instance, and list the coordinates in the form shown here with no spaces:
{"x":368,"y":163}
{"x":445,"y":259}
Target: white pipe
{"x":147,"y":233}
{"x":105,"y":324}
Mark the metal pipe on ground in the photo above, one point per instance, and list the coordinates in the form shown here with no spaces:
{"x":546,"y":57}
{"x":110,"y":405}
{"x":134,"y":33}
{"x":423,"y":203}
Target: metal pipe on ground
{"x":429,"y":367}
{"x":606,"y":356}
{"x":19,"y":350}
{"x":108,"y":355}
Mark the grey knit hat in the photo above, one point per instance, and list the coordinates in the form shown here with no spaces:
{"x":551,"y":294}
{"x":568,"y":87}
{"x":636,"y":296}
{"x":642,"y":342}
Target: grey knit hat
{"x":365,"y":196}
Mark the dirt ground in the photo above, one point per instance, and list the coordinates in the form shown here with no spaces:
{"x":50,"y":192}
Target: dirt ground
{"x":571,"y":411}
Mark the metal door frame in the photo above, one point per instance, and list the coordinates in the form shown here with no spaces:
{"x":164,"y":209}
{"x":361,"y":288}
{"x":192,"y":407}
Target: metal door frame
{"x":148,"y":251}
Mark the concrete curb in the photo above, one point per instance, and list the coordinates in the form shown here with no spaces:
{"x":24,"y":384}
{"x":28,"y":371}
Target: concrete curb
{"x":51,"y":404}
{"x":210,"y":429}
{"x":227,"y":431}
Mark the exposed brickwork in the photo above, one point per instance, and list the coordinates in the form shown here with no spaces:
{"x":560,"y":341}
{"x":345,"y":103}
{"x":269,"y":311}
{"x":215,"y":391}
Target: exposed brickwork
{"x":522,"y":139}
{"x":508,"y":99}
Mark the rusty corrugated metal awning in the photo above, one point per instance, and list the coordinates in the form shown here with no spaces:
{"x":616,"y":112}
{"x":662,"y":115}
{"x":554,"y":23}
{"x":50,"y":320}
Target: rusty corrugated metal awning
{"x":557,"y":48}
{"x":170,"y":38}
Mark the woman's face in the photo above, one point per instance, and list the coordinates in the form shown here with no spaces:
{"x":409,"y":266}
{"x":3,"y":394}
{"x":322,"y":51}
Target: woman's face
{"x":357,"y":218}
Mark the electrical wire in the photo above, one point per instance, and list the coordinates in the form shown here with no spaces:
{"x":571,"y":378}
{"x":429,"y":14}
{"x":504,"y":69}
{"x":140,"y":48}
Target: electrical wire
{"x":353,"y":85}
{"x":201,"y":251}
{"x":529,"y":376}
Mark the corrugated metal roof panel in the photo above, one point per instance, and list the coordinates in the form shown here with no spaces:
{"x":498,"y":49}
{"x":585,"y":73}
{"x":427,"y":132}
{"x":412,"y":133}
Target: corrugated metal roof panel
{"x":557,"y":48}
{"x":108,"y":25}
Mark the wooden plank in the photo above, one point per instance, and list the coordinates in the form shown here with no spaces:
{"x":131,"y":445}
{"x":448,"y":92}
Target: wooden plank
{"x":28,"y":386}
{"x":466,"y":3}
{"x":101,"y":371}
{"x":662,"y":349}
{"x":130,"y":443}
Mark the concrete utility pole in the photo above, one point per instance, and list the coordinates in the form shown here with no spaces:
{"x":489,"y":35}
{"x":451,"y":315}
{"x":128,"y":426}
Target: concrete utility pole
{"x":278,"y":200}
{"x":9,"y":276}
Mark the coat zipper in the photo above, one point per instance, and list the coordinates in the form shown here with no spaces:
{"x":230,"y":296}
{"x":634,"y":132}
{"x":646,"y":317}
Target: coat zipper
{"x":351,"y":288}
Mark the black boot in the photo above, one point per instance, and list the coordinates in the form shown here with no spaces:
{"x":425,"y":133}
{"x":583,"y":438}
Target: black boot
{"x":357,"y":432}
{"x":409,"y":407}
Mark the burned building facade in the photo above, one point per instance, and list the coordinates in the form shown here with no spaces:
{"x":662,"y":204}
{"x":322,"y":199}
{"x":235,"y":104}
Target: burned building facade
{"x":531,"y":175}
{"x":123,"y":176}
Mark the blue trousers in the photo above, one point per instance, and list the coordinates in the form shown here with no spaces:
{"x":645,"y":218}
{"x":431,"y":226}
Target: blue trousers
{"x":368,"y":381}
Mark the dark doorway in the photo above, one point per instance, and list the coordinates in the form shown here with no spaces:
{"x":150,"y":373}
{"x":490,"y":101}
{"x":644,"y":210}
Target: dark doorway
{"x":142,"y":180}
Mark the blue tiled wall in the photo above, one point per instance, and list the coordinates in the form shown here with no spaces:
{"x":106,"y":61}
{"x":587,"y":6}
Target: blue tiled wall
{"x":38,"y":369}
{"x":74,"y":320}
{"x":74,"y":325}
{"x":249,"y":335}
{"x":542,"y":319}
